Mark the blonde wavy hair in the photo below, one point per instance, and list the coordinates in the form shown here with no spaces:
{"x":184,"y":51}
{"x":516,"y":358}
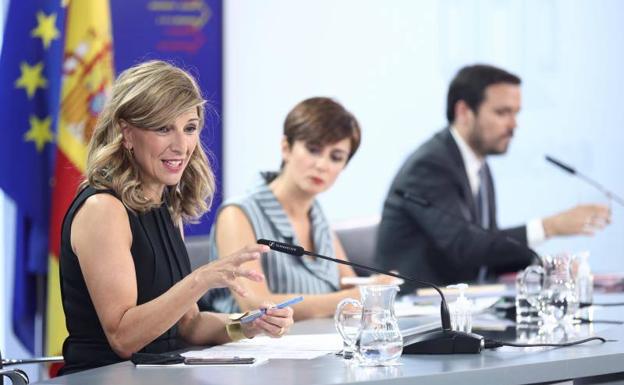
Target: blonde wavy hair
{"x":149,"y":95}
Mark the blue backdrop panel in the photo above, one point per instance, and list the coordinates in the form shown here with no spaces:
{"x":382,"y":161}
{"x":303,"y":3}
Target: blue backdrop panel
{"x":187,"y":33}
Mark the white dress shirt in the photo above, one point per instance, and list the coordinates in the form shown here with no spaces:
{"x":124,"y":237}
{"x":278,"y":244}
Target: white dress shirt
{"x":534,"y":228}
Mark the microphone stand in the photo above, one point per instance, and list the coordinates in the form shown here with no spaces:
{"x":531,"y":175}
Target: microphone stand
{"x":444,"y":341}
{"x":569,"y":169}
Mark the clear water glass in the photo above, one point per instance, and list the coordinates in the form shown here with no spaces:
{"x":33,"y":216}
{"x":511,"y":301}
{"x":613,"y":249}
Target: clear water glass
{"x":529,"y":284}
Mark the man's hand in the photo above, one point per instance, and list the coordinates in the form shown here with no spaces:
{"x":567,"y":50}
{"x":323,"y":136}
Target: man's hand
{"x":582,"y":219}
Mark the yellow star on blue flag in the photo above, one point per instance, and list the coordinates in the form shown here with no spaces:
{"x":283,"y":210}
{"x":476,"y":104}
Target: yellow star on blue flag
{"x":39,"y":132}
{"x":31,"y":78}
{"x":46,"y":28}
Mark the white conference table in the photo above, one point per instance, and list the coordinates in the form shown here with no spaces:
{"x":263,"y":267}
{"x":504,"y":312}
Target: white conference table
{"x":592,"y":363}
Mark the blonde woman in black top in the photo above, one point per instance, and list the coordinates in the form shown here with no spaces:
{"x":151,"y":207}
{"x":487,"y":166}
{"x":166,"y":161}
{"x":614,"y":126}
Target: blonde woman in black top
{"x":125,"y":275}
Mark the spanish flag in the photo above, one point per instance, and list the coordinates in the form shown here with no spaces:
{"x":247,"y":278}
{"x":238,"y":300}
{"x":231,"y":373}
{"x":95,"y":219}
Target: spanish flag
{"x":87,"y":76}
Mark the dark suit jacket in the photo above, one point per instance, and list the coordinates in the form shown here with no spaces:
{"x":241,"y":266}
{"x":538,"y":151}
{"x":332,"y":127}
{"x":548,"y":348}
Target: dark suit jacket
{"x":441,"y":243}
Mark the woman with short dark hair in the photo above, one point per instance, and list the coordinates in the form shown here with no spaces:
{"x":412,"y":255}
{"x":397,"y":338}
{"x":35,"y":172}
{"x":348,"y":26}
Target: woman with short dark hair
{"x":320,"y":137}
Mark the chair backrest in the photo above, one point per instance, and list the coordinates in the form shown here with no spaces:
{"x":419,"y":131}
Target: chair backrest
{"x":198,"y":249}
{"x":359,"y":239}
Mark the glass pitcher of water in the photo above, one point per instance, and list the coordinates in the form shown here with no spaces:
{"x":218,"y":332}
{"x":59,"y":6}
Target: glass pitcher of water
{"x":378,"y":340}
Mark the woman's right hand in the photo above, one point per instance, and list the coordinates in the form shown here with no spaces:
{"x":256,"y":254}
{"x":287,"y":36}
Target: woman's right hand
{"x":224,"y":271}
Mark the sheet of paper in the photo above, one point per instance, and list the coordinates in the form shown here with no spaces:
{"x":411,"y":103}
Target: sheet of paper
{"x":256,"y":363}
{"x":294,"y":347}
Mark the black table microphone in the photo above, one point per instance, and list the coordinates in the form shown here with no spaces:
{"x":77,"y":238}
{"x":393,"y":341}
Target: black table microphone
{"x":445,"y":341}
{"x":569,"y":169}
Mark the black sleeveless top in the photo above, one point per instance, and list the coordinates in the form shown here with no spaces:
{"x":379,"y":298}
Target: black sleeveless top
{"x":160,"y":261}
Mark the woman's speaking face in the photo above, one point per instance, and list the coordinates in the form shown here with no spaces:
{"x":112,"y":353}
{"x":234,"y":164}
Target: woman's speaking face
{"x":162,"y":153}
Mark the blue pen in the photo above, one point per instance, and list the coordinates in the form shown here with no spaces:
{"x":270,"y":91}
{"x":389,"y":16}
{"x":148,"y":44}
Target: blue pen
{"x":258,"y":313}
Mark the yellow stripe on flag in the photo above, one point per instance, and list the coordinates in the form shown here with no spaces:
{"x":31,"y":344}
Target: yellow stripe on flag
{"x":55,"y":319}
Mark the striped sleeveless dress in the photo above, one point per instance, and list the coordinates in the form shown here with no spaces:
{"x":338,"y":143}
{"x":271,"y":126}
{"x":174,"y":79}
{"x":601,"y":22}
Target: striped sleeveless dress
{"x":283,"y":273}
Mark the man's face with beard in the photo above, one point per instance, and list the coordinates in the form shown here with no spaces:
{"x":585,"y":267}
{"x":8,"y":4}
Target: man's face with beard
{"x":492,"y":126}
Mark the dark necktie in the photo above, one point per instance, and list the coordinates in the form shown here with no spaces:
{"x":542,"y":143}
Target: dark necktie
{"x":483,"y":210}
{"x":482,"y":199}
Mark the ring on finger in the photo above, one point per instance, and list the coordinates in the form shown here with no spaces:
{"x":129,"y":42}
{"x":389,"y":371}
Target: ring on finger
{"x":281,"y":331}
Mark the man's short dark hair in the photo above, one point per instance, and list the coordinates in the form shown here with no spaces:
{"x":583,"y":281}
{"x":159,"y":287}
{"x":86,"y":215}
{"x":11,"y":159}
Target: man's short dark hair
{"x":470,"y":83}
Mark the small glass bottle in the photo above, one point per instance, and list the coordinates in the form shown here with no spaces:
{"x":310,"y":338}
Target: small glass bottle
{"x":461,"y":310}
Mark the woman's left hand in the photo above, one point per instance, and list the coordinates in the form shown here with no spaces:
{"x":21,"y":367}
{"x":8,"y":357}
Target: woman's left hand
{"x":274,"y":323}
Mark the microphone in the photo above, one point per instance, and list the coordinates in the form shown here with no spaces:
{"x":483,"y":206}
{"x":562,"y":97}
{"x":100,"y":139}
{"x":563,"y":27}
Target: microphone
{"x":598,"y":186}
{"x":496,"y":235}
{"x":445,"y":341}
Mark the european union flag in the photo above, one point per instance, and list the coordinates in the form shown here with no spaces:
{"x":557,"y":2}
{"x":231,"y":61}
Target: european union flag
{"x":29,"y":99}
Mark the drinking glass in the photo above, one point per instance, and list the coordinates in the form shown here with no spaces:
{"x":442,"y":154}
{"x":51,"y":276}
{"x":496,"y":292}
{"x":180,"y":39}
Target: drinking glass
{"x":559,"y":298}
{"x":529,"y":285}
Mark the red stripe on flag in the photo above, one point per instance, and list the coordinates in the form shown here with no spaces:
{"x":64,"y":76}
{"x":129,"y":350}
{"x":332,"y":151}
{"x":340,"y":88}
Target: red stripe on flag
{"x":67,"y":177}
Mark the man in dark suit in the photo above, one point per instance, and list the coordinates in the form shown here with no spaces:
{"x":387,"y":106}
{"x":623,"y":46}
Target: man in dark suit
{"x":439,"y":219}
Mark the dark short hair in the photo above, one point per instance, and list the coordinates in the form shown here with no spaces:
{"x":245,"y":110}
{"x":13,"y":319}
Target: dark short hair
{"x":470,"y":83}
{"x":322,"y":121}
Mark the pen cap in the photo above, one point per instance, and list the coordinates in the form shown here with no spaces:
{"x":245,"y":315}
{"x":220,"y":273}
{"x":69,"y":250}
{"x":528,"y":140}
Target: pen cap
{"x":461,"y":309}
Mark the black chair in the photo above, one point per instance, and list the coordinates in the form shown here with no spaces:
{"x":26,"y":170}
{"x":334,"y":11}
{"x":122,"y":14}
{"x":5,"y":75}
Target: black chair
{"x":359,"y":239}
{"x":198,"y":250}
